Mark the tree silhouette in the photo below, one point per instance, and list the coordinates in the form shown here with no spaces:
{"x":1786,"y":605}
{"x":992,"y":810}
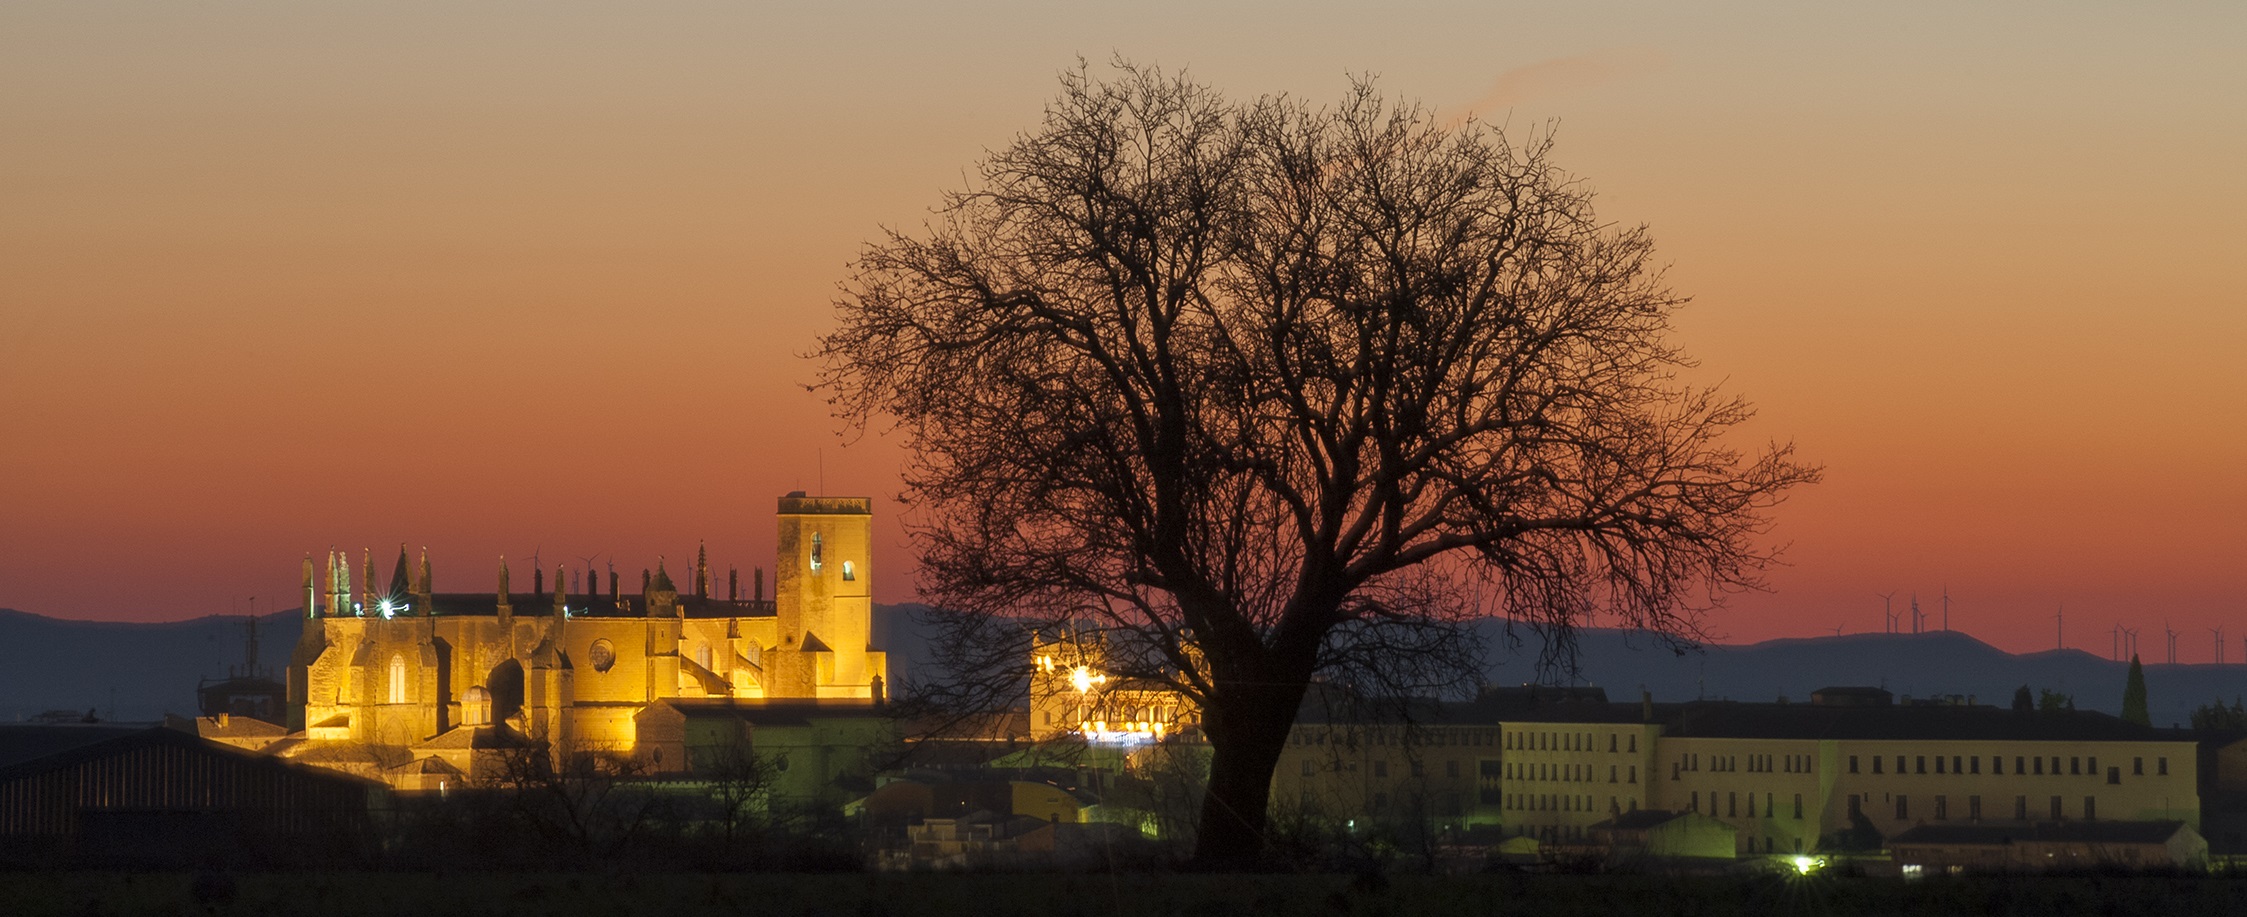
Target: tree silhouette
{"x":1256,"y":393}
{"x":2023,"y":701}
{"x":2134,"y":695}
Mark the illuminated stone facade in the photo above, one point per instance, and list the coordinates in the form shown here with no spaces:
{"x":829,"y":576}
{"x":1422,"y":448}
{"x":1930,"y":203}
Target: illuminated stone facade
{"x":418,"y":687}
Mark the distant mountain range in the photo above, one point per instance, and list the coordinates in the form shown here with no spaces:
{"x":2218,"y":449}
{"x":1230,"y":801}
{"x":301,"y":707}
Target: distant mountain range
{"x":142,"y":671}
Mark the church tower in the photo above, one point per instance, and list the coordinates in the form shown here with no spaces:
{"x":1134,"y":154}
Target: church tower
{"x":824,"y":593}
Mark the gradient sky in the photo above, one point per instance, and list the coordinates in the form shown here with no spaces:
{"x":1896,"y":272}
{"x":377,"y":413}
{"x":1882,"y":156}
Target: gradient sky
{"x":535,"y":277}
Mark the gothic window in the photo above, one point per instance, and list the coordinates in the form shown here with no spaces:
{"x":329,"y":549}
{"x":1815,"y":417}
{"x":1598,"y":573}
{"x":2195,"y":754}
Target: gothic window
{"x":702,"y":655}
{"x":398,"y":679}
{"x":815,"y":552}
{"x":848,"y":573}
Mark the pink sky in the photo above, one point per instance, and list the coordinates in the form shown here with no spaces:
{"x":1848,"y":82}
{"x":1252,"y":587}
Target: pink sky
{"x":276,"y":277}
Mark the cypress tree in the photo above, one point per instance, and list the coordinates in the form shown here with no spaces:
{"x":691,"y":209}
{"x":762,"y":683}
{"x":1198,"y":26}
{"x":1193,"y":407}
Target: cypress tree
{"x":2134,"y":695}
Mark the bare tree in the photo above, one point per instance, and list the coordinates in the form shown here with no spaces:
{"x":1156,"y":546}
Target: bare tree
{"x":1266,"y":392}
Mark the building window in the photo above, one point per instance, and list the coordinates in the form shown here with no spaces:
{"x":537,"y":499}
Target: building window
{"x":2114,"y":775}
{"x":1614,"y":772}
{"x":1634,"y":773}
{"x":1973,"y":808}
{"x":1876,"y":764}
{"x":1634,"y":742}
{"x":2091,"y":766}
{"x":2137,"y":767}
{"x":1307,"y":767}
{"x":1732,"y":804}
{"x":1451,"y":769}
{"x":2020,"y":808}
{"x":2075,"y":767}
{"x":1903,"y":807}
{"x":1974,"y":764}
{"x":1954,"y":765}
{"x":2057,"y":809}
{"x":1611,"y":738}
{"x":1798,"y":807}
{"x":1922,"y":762}
{"x":1942,"y":808}
{"x":702,"y":656}
{"x":397,"y":679}
{"x":1997,"y":764}
{"x":2039,"y":765}
{"x":1938,"y":764}
{"x":1417,"y":769}
{"x":815,"y":552}
{"x":2055,"y":765}
{"x":849,"y":573}
{"x":1693,"y":803}
{"x":2161,"y":766}
{"x":1900,"y":765}
{"x":2090,"y":808}
{"x":2018,"y":769}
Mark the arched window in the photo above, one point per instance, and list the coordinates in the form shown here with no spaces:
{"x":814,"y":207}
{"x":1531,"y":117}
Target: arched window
{"x":398,"y":679}
{"x":815,"y":552}
{"x":702,"y":655}
{"x":848,"y":573}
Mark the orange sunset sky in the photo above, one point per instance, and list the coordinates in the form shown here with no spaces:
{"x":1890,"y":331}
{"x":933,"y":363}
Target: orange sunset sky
{"x":534,"y":278}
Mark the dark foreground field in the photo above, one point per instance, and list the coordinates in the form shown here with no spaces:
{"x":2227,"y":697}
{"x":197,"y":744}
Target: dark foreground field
{"x":1001,"y":895}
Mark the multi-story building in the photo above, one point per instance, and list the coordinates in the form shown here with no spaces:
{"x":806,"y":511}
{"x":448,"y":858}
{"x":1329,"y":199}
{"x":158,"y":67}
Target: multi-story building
{"x":1791,"y":777}
{"x":1852,"y":767}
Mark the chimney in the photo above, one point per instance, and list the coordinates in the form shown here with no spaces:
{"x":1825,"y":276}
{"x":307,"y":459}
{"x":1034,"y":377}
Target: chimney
{"x":1645,"y":705}
{"x":733,"y":584}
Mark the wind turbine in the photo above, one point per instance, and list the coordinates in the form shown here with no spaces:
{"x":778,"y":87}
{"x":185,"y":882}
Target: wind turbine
{"x":2219,"y":634}
{"x":2115,"y":642}
{"x":2172,"y":642}
{"x":2130,"y":642}
{"x":1917,"y":616}
{"x":1888,"y":609}
{"x":1946,"y":609}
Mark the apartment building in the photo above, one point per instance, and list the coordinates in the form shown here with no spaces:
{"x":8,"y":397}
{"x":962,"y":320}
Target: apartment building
{"x":1852,"y":767}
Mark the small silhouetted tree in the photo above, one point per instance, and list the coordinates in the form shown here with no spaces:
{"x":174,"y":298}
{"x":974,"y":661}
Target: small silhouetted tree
{"x":1257,"y":393}
{"x":2023,"y":701}
{"x":2048,"y":700}
{"x":2134,"y":695}
{"x":2218,"y":717}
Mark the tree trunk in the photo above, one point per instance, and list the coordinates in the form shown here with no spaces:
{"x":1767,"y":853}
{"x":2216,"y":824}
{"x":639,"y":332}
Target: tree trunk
{"x":1246,"y":737}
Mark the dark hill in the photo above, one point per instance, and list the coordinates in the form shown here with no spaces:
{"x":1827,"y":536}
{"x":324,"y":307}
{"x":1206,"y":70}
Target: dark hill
{"x":142,"y":671}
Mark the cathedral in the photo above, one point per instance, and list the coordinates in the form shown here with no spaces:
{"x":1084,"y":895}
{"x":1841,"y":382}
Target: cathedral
{"x":419,"y":688}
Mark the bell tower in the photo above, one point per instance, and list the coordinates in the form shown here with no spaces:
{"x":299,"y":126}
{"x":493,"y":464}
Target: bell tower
{"x":824,"y":593}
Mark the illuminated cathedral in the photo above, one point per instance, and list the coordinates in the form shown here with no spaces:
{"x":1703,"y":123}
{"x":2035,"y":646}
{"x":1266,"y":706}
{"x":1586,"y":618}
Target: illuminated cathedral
{"x":418,"y":687}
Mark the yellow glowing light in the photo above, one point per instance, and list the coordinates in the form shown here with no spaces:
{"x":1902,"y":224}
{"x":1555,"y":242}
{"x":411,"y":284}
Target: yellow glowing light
{"x":1083,"y":679}
{"x":1805,"y":865}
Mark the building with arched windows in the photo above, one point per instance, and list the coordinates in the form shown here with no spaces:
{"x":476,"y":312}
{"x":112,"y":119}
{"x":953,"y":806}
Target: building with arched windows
{"x":418,"y":687}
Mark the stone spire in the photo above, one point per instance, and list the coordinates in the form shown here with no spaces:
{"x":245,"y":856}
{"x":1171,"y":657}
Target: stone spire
{"x":311,"y":596}
{"x":503,"y":579}
{"x":425,"y":589}
{"x":367,"y":597}
{"x":401,"y":578}
{"x":561,"y":591}
{"x":702,"y":570}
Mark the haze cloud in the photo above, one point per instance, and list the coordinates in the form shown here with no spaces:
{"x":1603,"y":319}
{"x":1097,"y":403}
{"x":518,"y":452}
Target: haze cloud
{"x":1562,"y":74}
